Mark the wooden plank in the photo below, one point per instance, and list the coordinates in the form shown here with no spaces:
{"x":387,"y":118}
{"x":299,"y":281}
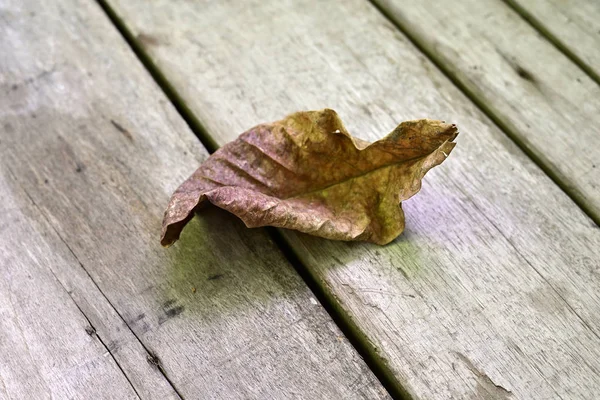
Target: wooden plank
{"x":94,"y":150}
{"x":546,"y":103}
{"x":48,"y":349}
{"x":491,"y":290}
{"x":574,"y":26}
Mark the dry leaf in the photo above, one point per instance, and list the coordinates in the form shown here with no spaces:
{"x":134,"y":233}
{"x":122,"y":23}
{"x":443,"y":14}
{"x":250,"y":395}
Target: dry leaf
{"x":306,"y":172}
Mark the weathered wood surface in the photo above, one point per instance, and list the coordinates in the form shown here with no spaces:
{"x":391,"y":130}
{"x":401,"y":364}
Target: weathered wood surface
{"x":47,"y":345}
{"x":90,"y":150}
{"x":492,"y":290}
{"x":534,"y":91}
{"x":573,"y":25}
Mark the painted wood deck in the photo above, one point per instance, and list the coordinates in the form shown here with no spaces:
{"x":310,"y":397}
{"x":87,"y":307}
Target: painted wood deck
{"x":492,"y":292}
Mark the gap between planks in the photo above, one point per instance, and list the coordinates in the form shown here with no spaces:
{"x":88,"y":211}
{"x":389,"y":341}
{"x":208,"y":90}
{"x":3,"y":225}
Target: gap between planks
{"x":343,"y":320}
{"x":317,"y":254}
{"x":150,"y":357}
{"x":553,"y":39}
{"x":480,"y":103}
{"x":188,"y":116}
{"x":81,"y":147}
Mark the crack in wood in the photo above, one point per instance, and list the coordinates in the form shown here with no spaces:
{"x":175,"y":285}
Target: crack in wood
{"x":489,"y":387}
{"x":90,"y":327}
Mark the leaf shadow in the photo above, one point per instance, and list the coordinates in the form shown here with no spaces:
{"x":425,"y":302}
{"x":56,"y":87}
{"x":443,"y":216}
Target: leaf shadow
{"x":401,"y":255}
{"x":219,"y":268}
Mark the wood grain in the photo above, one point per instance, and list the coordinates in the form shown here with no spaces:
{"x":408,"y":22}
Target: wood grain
{"x":491,"y":291}
{"x":48,"y":347}
{"x":574,"y":26}
{"x":90,"y":150}
{"x":547,"y":103}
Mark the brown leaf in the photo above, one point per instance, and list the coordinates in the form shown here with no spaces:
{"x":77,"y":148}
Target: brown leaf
{"x":306,"y":172}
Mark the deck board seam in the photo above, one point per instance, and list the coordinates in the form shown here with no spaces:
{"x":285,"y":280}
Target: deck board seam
{"x":375,"y":364}
{"x":149,"y":354}
{"x":160,"y":80}
{"x":359,"y":340}
{"x":495,"y":119}
{"x":552,"y":39}
{"x":93,"y":332}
